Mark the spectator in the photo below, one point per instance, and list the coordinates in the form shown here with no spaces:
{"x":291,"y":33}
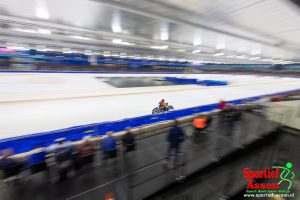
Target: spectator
{"x":6,"y":161}
{"x":128,"y":141}
{"x":86,"y":151}
{"x":109,"y":146}
{"x":199,"y":124}
{"x":231,"y":115}
{"x":10,"y":166}
{"x":175,"y":138}
{"x":63,"y":153}
{"x":222,"y":105}
{"x":37,"y":160}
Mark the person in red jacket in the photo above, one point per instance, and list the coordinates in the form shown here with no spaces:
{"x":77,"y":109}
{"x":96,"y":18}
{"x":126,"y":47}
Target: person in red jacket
{"x":162,"y":105}
{"x":222,"y":105}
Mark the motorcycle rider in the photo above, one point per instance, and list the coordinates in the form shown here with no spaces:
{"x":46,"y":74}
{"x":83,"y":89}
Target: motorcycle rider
{"x":162,"y":105}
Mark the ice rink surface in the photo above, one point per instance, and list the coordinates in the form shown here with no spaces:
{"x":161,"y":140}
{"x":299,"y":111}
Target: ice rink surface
{"x":33,"y":103}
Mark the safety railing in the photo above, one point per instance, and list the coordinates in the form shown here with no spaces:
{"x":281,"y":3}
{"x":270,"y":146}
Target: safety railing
{"x":154,"y":174}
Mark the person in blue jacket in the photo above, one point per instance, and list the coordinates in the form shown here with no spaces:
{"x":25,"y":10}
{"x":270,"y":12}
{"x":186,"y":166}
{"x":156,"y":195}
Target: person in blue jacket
{"x":175,"y":137}
{"x":109,"y":146}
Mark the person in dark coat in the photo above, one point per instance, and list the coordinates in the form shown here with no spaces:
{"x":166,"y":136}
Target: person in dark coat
{"x":175,"y":137}
{"x":9,"y":165}
{"x":86,"y":151}
{"x":6,"y":161}
{"x":128,"y":141}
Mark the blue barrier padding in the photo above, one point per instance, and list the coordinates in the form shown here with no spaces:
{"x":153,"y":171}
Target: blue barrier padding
{"x":212,"y":83}
{"x":196,"y":81}
{"x":28,"y":142}
{"x":181,"y":80}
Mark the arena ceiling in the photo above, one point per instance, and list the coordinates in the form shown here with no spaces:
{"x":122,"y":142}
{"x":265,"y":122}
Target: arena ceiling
{"x":219,"y":31}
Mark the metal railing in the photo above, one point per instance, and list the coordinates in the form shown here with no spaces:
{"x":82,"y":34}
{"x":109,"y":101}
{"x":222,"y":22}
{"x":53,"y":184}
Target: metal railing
{"x":154,"y":174}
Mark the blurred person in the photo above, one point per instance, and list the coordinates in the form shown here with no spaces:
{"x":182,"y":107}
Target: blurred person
{"x":60,"y":145}
{"x":128,"y":141}
{"x":10,"y":166}
{"x":5,"y":160}
{"x":231,"y":114}
{"x":37,"y":160}
{"x":260,"y":107}
{"x":264,"y":99}
{"x":86,"y":151}
{"x":199,"y":124}
{"x":63,"y":151}
{"x":175,"y":137}
{"x":222,"y":104}
{"x":109,"y":146}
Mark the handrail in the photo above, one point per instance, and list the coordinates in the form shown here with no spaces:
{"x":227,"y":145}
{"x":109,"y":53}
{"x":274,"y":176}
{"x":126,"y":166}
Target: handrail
{"x":182,"y":163}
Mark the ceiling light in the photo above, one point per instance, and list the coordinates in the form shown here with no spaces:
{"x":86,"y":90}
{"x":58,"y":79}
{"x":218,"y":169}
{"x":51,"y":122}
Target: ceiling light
{"x":119,"y":41}
{"x":116,"y":22}
{"x":25,"y":30}
{"x":196,"y":51}
{"x":116,"y":28}
{"x":43,"y":14}
{"x":18,"y":48}
{"x":241,"y":57}
{"x":44,"y":31}
{"x":115,"y":55}
{"x":41,"y":48}
{"x":66,"y":50}
{"x":164,"y":36}
{"x":197,"y":62}
{"x":219,"y":54}
{"x":255,"y":58}
{"x":159,"y":47}
{"x":277,"y":61}
{"x":288,"y":62}
{"x":164,"y":32}
{"x":116,"y":41}
{"x":96,"y":53}
{"x":88,"y":52}
{"x":267,"y":60}
{"x":182,"y":60}
{"x":41,"y":10}
{"x":181,"y":50}
{"x":80,"y":37}
{"x":127,"y":43}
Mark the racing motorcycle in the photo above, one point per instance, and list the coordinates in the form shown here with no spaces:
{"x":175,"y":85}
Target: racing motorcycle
{"x":166,"y":108}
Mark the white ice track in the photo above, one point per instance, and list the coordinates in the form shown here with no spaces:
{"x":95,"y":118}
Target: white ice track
{"x":33,"y":103}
